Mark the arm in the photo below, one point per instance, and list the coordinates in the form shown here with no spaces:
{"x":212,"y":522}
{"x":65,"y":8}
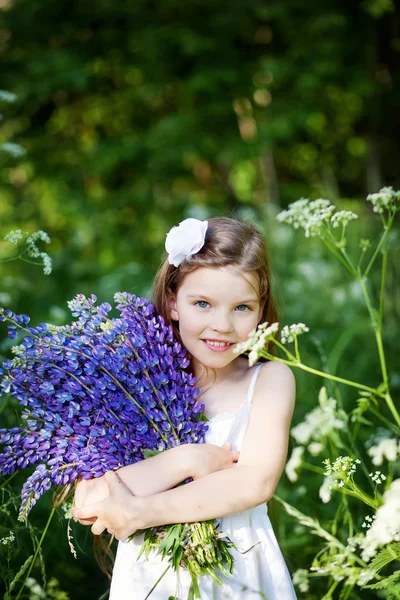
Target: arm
{"x":160,"y":472}
{"x":261,"y":462}
{"x":252,"y":482}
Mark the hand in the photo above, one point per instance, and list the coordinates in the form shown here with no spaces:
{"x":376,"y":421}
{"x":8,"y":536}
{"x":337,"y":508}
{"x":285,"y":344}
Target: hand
{"x":119,"y":512}
{"x":89,"y":491}
{"x":209,"y":458}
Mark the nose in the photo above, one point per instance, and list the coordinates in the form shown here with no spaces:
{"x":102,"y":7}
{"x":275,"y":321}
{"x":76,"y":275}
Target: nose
{"x":222,"y":321}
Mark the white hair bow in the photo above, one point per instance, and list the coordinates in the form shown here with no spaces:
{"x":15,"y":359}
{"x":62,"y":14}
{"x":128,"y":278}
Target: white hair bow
{"x":185,"y":240}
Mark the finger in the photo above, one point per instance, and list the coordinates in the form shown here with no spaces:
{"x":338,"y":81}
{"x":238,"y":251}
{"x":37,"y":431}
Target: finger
{"x":112,"y":480}
{"x":98,"y":527}
{"x":87,"y":521}
{"x":86,"y":512}
{"x":228,"y":445}
{"x":235,"y":455}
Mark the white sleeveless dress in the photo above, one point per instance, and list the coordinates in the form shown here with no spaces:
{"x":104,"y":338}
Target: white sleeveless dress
{"x":260,"y":574}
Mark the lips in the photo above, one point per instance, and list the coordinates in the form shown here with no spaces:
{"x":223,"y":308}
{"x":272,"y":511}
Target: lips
{"x":218,"y":345}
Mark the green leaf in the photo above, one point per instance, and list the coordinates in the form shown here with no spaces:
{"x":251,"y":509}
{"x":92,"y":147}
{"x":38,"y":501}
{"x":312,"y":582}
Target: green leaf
{"x":385,"y":556}
{"x":149,"y":453}
{"x":384,"y":583}
{"x":18,"y":577}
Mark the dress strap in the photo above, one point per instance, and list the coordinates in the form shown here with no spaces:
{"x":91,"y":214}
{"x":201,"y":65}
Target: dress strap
{"x":252,"y":384}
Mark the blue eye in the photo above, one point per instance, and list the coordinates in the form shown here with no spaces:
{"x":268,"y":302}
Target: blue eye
{"x":245,"y":305}
{"x":201,"y":302}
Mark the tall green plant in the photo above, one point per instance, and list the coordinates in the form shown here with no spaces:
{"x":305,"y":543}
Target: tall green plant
{"x":354,"y":554}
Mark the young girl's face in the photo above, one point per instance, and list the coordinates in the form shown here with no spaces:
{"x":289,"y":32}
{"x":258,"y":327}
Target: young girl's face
{"x":216,"y":309}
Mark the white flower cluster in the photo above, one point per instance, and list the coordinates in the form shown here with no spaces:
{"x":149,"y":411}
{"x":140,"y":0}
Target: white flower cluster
{"x":377,"y":477}
{"x":294,"y":463}
{"x":36,"y":592}
{"x":289,"y":332}
{"x":341,"y":470}
{"x":320,"y":422}
{"x":15,"y":237}
{"x":385,"y":199}
{"x":342,"y":217}
{"x":311,"y":216}
{"x":257,"y":341}
{"x":387,"y":448}
{"x":8,"y":539}
{"x":386,"y":526}
{"x":300,"y":579}
{"x":326,"y":488}
{"x":367,"y":522}
{"x":341,"y":567}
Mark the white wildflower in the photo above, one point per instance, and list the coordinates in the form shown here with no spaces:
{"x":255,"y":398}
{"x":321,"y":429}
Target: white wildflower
{"x":315,"y":448}
{"x":342,"y":217}
{"x":294,"y":463}
{"x":253,"y":358}
{"x":300,"y":579}
{"x":385,"y":199}
{"x":8,"y":539}
{"x":388,"y":448}
{"x":342,"y":469}
{"x":368,"y":522}
{"x":386,"y":526}
{"x":47,"y":263}
{"x":36,"y":592}
{"x":321,"y":421}
{"x":325,"y":489}
{"x":377,"y":477}
{"x":311,"y":216}
{"x":364,"y":576}
{"x":257,"y":341}
{"x":289,"y":332}
{"x":14,"y":237}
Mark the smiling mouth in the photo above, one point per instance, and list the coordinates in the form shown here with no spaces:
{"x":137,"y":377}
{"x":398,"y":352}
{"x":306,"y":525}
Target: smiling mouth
{"x":215,"y":344}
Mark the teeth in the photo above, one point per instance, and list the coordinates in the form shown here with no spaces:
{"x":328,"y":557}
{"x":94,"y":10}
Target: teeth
{"x":217,"y":343}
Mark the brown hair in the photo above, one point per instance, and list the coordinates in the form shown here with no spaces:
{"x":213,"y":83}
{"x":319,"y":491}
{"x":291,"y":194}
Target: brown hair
{"x":229,"y":242}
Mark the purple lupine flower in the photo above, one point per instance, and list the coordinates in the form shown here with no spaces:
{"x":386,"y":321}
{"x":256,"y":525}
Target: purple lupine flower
{"x":97,"y":393}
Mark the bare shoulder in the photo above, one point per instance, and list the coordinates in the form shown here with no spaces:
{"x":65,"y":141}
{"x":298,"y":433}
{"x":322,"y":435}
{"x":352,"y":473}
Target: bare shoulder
{"x":274,"y":369}
{"x":276,"y":385}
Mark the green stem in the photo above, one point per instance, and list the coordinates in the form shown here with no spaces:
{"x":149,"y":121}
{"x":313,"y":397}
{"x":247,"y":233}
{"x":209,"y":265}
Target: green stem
{"x":53,"y":510}
{"x":361,"y":496}
{"x":378,"y":336}
{"x":386,"y":421}
{"x":383,"y":281}
{"x":156,"y":583}
{"x":379,"y":246}
{"x":350,"y":262}
{"x":314,"y":468}
{"x":338,"y":256}
{"x":296,"y":347}
{"x":284,"y":349}
{"x":9,"y":479}
{"x":299,"y":365}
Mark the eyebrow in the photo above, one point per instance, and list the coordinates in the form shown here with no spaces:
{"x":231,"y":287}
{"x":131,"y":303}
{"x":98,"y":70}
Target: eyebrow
{"x":207,"y":298}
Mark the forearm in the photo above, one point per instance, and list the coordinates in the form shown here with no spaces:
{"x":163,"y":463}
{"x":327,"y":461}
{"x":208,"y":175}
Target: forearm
{"x":215,"y":495}
{"x":158,"y":473}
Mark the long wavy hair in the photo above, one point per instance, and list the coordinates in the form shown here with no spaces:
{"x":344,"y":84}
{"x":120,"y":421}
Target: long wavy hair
{"x":229,"y":242}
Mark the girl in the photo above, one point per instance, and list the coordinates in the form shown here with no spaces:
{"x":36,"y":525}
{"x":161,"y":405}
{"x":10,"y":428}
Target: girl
{"x":214,"y":288}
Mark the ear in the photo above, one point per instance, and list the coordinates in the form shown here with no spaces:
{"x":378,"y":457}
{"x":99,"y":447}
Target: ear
{"x":172,"y":308}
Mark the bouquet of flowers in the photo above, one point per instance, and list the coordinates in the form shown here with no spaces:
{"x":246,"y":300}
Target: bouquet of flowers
{"x":101,"y":393}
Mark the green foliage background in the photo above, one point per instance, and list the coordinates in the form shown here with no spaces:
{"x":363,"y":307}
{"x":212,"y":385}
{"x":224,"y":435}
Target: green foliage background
{"x":137,"y":114}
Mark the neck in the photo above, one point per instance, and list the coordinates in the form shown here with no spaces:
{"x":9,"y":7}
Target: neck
{"x":208,"y":376}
